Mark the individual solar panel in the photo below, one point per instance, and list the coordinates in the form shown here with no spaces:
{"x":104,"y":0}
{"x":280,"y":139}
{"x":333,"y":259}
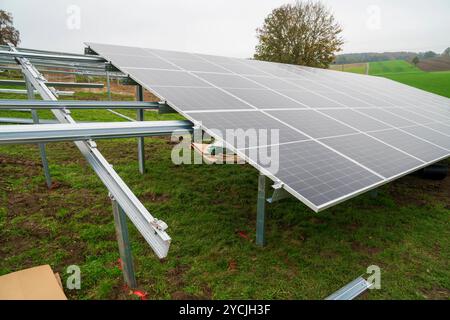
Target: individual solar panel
{"x":315,"y":173}
{"x":229,"y":81}
{"x":312,"y":123}
{"x":310,"y":99}
{"x":200,"y":98}
{"x":355,"y":119}
{"x":197,"y":65}
{"x":431,"y":135}
{"x":265,"y":99}
{"x":373,"y":154}
{"x":386,"y":117}
{"x":247,"y":120}
{"x":410,"y":144}
{"x":166,"y":78}
{"x":345,"y":100}
{"x":340,"y":134}
{"x":442,"y":128}
{"x":408,"y":115}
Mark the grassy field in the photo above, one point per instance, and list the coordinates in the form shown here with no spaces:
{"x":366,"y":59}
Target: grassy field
{"x":402,"y":71}
{"x":351,"y":67}
{"x":210,"y":210}
{"x":391,"y":66}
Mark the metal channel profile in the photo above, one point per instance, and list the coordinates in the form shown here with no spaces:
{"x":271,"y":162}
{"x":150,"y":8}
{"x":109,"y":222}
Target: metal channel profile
{"x":61,"y":57}
{"x":40,"y":133}
{"x":152,"y":229}
{"x":55,"y":84}
{"x":351,"y":290}
{"x":7,"y":104}
{"x":25,"y":120}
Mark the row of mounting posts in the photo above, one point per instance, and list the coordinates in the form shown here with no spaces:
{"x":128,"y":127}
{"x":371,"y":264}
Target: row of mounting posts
{"x":126,"y":258}
{"x":140,"y":117}
{"x":34,"y":115}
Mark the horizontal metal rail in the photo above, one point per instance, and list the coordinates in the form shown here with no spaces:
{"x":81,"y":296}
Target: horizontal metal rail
{"x":60,"y":57}
{"x":44,"y":133}
{"x":24,"y":120}
{"x":81,"y":72}
{"x":152,"y":229}
{"x":7,"y":104}
{"x":22,"y":49}
{"x":23,"y":91}
{"x":351,"y":290}
{"x":55,"y":84}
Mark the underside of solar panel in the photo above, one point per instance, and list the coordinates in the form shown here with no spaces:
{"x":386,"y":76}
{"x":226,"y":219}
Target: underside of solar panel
{"x":338,"y":134}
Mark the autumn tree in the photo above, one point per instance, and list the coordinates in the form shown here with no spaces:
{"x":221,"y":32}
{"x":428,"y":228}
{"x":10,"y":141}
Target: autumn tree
{"x":304,"y":33}
{"x":8,"y":34}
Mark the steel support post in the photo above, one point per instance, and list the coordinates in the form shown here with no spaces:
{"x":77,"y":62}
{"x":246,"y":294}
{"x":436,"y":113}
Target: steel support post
{"x":34,"y":115}
{"x":261,"y":211}
{"x":126,"y":258}
{"x":140,"y":117}
{"x":108,"y":85}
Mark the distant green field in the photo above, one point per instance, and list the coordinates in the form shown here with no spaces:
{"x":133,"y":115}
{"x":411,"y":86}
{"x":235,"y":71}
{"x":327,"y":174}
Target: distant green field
{"x":404,"y":72}
{"x":436,"y":82}
{"x":391,"y":66}
{"x":351,"y":67}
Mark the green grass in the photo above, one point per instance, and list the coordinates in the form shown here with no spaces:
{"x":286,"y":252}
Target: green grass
{"x":391,"y":66}
{"x":436,"y":82}
{"x":404,"y":230}
{"x":404,"y":72}
{"x":351,"y":67}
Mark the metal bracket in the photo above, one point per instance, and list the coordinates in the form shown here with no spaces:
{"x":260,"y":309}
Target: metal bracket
{"x":110,"y":67}
{"x":165,"y":108}
{"x":128,"y":82}
{"x":89,"y":51}
{"x":92,"y":143}
{"x":278,"y":193}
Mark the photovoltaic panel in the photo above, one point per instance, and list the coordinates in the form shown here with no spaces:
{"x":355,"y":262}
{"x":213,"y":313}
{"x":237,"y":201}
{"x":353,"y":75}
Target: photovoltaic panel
{"x":373,"y":154}
{"x":355,"y":119}
{"x":314,"y":172}
{"x":340,"y":134}
{"x":312,"y":123}
{"x":247,"y":120}
{"x":414,"y":146}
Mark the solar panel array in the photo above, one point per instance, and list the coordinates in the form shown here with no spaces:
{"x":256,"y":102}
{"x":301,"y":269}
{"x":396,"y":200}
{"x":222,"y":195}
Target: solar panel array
{"x":340,"y":134}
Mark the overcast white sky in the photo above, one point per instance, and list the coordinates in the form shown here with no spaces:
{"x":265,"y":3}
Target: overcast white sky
{"x":223,"y":27}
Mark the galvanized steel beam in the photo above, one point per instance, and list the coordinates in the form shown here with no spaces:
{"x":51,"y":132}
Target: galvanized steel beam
{"x":140,"y":117}
{"x":7,"y":104}
{"x":55,"y":84}
{"x":89,"y":131}
{"x":34,"y":115}
{"x":47,"y":56}
{"x":126,"y":258}
{"x":261,"y":211}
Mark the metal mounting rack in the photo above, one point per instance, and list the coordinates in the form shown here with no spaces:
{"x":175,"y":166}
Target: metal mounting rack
{"x":124,"y":202}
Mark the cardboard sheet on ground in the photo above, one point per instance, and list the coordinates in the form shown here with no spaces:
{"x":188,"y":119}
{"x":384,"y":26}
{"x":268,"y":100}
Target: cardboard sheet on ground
{"x":37,"y":283}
